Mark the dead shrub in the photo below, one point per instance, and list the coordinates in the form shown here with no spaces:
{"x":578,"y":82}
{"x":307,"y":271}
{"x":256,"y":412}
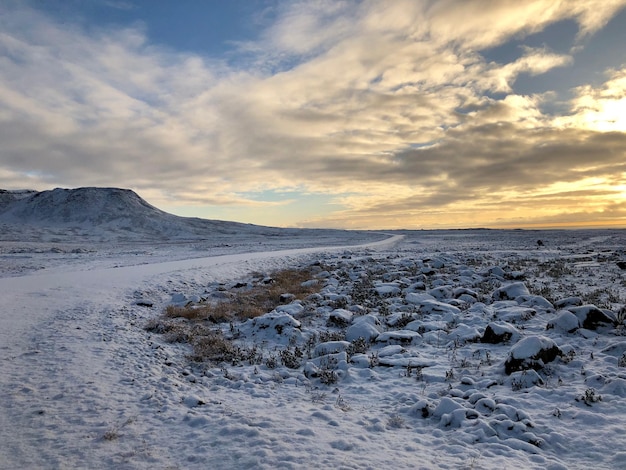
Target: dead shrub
{"x":212,"y":346}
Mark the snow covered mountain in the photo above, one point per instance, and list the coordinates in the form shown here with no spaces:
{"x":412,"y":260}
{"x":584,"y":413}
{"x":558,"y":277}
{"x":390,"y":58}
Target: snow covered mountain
{"x":110,"y":213}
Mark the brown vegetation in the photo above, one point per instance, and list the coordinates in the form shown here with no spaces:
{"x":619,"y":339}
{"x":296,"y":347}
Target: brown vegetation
{"x":191,"y":323}
{"x":251,"y":302}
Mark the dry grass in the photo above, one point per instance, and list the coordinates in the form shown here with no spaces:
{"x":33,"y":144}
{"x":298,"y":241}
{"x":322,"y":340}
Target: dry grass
{"x":215,"y":313}
{"x":191,"y":324}
{"x":212,"y":346}
{"x":250,"y":303}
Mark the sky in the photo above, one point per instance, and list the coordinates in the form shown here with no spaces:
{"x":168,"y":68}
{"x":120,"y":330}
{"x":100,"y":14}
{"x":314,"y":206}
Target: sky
{"x":341,"y":114}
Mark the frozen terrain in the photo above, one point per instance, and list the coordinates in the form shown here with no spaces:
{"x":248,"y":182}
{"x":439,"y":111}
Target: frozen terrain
{"x":445,"y":349}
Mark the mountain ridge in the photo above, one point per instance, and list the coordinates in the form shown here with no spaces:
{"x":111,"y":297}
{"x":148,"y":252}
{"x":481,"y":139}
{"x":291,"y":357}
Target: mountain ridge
{"x":110,"y":211}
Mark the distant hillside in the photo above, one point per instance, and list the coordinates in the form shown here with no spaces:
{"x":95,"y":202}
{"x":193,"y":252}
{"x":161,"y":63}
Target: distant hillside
{"x":99,"y":210}
{"x":120,"y":214}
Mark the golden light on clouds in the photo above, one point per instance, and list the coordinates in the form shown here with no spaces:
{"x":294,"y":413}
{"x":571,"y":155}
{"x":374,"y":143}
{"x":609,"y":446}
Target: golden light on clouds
{"x":356,"y":114}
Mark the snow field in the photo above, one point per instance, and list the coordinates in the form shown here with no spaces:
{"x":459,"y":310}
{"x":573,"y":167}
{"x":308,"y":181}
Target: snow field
{"x":89,"y":387}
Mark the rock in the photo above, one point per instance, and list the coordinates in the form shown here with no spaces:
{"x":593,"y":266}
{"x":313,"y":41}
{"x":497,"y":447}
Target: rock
{"x":330,"y":347}
{"x":616,"y":349}
{"x":621,"y":264}
{"x":511,"y":291}
{"x":565,"y":321}
{"x":465,"y":334}
{"x":524,"y":379}
{"x":437,"y":263}
{"x":536,"y":301}
{"x":591,"y":317}
{"x":340,"y":317}
{"x":532,"y":352}
{"x":568,"y":302}
{"x":179,"y":299}
{"x":391,"y":350}
{"x":329,"y":361}
{"x":496,"y":271}
{"x":418,"y":298}
{"x":441,"y":293}
{"x":286,"y":297}
{"x":399,"y":337}
{"x":515,"y":314}
{"x":399,"y":319}
{"x":440,"y":308}
{"x":365,"y":330}
{"x":274,"y":326}
{"x":463,"y":291}
{"x":446,"y":406}
{"x":310,"y":283}
{"x":497,"y":333}
{"x":388,"y":289}
{"x":294,"y":308}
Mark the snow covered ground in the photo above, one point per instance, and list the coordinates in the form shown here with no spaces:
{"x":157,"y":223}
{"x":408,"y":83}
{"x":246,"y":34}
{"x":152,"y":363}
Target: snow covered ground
{"x":484,"y":353}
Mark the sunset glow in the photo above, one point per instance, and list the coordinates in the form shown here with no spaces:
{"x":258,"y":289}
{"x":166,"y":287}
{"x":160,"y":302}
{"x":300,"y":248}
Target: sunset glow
{"x":347,"y":114}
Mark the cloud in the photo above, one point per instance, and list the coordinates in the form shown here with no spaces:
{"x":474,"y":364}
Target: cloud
{"x":388,"y":106}
{"x":603,"y":108}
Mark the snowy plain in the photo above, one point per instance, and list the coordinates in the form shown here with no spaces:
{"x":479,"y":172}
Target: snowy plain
{"x":83,"y":384}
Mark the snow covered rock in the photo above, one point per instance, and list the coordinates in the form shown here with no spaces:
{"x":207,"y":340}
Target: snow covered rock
{"x":294,"y":308}
{"x":591,"y":317}
{"x":179,"y":299}
{"x":495,"y":271}
{"x":399,"y":337}
{"x":515,"y":314}
{"x":391,"y":350}
{"x":441,"y":293}
{"x":398,"y":319}
{"x":510,"y":291}
{"x":564,"y":321}
{"x":568,"y":302}
{"x":524,"y":379}
{"x":616,"y":350}
{"x":451,"y":413}
{"x":463,"y":292}
{"x":276,"y":326}
{"x":532,"y":352}
{"x":535,"y":301}
{"x":360,"y":361}
{"x":431,"y":307}
{"x":465,"y":334}
{"x":340,"y":317}
{"x":418,"y":298}
{"x":192,"y":401}
{"x":325,"y":367}
{"x":330,"y":347}
{"x":500,"y":332}
{"x":437,"y":263}
{"x":366,"y":327}
{"x":387,"y":289}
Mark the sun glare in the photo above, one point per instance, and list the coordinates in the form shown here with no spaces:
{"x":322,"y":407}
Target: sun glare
{"x":610,"y":116}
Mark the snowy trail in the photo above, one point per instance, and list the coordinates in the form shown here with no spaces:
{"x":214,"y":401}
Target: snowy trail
{"x":71,"y":367}
{"x":33,"y":297}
